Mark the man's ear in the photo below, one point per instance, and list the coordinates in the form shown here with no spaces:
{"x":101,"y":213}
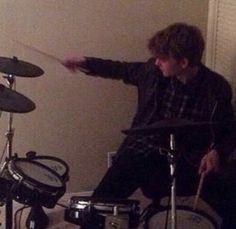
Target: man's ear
{"x":184,"y":63}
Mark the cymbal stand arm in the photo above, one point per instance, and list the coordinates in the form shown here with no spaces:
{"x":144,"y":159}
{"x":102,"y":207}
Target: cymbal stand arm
{"x":172,"y":161}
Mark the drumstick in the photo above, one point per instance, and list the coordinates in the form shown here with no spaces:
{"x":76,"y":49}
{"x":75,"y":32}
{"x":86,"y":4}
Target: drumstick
{"x":40,"y":51}
{"x":198,"y":190}
{"x":34,"y":49}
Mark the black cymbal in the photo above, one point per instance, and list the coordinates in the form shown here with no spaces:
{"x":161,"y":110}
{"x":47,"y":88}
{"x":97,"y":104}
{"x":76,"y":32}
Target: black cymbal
{"x":13,"y":66}
{"x":168,"y":125}
{"x":12,"y":101}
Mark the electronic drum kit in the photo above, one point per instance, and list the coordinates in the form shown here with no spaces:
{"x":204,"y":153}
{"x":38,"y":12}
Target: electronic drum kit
{"x":39,"y":181}
{"x":36,"y":180}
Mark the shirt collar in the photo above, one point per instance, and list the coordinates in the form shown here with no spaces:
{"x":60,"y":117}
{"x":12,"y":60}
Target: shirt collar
{"x":190,"y":86}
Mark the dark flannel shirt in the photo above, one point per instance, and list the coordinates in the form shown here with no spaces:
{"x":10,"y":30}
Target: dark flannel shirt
{"x":207,"y":97}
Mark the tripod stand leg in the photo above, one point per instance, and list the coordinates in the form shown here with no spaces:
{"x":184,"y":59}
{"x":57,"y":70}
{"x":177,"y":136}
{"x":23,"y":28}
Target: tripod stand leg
{"x":8,"y":213}
{"x":37,"y":218}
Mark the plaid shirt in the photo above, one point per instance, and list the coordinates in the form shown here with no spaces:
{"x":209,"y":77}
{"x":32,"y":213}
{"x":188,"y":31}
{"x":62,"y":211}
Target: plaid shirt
{"x":161,"y":98}
{"x":177,"y":101}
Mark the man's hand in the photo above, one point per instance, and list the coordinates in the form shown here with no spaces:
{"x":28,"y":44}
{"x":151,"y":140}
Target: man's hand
{"x":209,"y":162}
{"x":74,"y":63}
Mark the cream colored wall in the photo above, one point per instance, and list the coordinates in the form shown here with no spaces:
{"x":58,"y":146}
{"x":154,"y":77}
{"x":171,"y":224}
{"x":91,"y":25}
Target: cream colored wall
{"x":79,"y":118}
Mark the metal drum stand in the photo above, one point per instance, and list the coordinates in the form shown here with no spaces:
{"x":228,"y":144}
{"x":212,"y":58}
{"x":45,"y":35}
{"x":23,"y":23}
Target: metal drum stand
{"x":172,"y":161}
{"x":9,"y":135}
{"x":14,"y":102}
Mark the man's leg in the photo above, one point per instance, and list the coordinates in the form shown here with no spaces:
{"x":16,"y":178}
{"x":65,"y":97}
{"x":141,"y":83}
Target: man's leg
{"x":219,"y":191}
{"x":123,"y":177}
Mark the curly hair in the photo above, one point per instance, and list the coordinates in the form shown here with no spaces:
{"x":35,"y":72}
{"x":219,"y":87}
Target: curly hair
{"x":178,"y":40}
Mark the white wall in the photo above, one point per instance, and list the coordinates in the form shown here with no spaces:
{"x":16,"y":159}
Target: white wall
{"x":78,"y":118}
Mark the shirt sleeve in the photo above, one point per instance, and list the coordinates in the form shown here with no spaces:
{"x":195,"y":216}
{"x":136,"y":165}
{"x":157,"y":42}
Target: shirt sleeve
{"x":130,"y":73}
{"x":225,"y":136}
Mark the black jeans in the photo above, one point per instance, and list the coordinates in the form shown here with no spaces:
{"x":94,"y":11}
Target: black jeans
{"x":150,"y":172}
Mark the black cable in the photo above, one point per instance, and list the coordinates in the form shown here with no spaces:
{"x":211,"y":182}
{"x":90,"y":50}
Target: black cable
{"x":20,"y":210}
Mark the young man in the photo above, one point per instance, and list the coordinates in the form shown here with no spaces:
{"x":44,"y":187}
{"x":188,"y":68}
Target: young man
{"x":175,"y":85}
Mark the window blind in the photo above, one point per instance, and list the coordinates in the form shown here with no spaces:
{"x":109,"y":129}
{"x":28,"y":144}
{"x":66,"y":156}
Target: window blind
{"x":221,"y":40}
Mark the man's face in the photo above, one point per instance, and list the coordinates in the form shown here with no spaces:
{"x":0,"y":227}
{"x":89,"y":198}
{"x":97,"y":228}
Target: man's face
{"x":169,"y":66}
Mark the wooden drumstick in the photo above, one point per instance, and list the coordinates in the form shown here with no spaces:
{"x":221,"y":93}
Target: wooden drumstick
{"x":39,"y":51}
{"x":198,"y":190}
{"x":34,"y":49}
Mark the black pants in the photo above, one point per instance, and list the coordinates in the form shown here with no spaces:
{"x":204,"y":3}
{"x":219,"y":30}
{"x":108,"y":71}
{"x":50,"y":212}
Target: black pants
{"x":150,"y":172}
